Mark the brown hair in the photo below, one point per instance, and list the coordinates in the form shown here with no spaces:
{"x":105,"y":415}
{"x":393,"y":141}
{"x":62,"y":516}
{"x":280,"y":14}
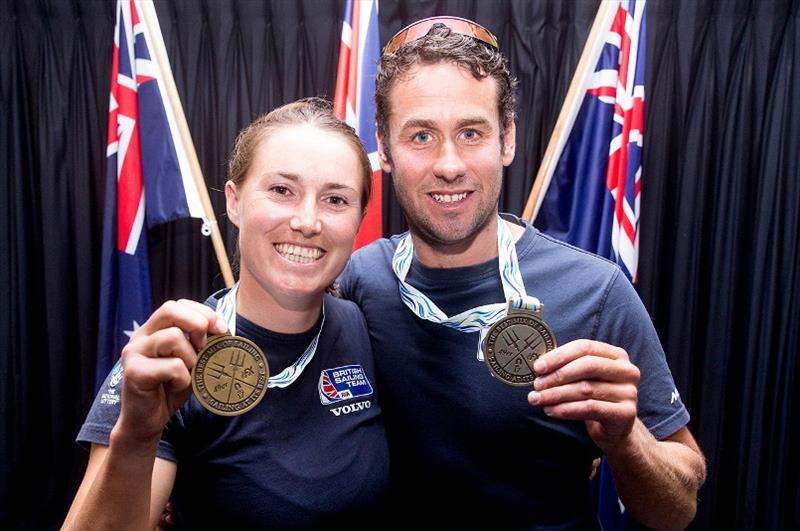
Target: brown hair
{"x":441,"y":44}
{"x":312,"y":111}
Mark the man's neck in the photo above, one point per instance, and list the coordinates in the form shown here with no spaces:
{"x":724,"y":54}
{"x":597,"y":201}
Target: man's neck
{"x":481,"y":248}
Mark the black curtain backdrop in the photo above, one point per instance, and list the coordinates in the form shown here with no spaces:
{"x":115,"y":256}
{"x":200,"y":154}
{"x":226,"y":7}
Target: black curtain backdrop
{"x":720,"y":256}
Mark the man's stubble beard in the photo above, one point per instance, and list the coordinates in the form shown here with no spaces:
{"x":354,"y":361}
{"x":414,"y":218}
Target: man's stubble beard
{"x":439,"y":236}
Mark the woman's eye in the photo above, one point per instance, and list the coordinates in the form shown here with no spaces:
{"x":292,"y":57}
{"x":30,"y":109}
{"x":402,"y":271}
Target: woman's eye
{"x":280,"y":190}
{"x":337,"y":200}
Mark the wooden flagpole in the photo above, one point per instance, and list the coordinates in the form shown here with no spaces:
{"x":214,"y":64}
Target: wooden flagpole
{"x":150,"y":20}
{"x":572,"y":104}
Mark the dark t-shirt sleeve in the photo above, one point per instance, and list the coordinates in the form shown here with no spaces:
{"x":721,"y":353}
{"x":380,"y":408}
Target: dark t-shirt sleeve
{"x":105,"y":411}
{"x":624,"y":321}
{"x":347,"y":280}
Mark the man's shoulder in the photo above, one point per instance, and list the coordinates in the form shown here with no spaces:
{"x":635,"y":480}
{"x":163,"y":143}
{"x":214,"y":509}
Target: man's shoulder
{"x":373,"y":259}
{"x":546,"y":251}
{"x":369,"y":268}
{"x":380,"y":250}
{"x":340,"y":309}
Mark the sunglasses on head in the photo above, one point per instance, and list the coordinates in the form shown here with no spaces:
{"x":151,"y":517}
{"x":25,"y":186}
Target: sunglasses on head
{"x":458,"y":25}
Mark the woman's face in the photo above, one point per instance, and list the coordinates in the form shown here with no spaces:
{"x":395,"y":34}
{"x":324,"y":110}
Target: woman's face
{"x":298,"y":211}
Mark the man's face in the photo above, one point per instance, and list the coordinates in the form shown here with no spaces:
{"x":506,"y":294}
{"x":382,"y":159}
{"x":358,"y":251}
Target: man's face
{"x":446,"y":157}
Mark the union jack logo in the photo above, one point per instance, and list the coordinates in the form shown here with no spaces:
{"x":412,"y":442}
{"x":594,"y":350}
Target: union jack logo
{"x":327,"y":387}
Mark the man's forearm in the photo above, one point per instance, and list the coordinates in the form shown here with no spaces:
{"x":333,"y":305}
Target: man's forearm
{"x":658,"y":481}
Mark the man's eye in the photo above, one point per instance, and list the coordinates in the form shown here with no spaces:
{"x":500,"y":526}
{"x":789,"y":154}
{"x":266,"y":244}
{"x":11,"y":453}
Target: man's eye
{"x":280,"y":190}
{"x":422,"y":136}
{"x":470,"y":134}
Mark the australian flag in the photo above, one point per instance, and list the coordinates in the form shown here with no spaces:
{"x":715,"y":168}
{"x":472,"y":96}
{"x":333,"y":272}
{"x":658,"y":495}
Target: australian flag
{"x":148,"y":179}
{"x":354,"y":100}
{"x":592,"y":200}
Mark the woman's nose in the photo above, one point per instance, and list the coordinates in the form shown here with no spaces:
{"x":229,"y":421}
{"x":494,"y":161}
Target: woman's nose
{"x":306,"y":221}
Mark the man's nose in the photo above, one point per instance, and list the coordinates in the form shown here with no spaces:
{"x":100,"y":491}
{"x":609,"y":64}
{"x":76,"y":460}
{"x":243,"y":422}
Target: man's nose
{"x":449,"y":164}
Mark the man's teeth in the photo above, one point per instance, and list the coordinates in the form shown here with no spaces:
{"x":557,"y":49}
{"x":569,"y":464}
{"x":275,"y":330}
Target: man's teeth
{"x":295,"y":253}
{"x":449,"y":198}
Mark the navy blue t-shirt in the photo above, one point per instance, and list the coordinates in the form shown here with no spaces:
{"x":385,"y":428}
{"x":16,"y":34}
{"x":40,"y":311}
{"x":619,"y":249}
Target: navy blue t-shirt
{"x":310,"y":455}
{"x":467,"y":449}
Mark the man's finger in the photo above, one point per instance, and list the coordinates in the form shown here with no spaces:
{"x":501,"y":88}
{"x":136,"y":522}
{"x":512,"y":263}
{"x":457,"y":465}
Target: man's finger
{"x":583,"y":390}
{"x":589,"y":368}
{"x":573,"y":350}
{"x":606,"y":413}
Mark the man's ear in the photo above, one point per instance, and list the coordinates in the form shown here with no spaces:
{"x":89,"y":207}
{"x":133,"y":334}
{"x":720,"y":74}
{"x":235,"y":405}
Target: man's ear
{"x":509,"y":142}
{"x":383,"y":153}
{"x":232,"y":202}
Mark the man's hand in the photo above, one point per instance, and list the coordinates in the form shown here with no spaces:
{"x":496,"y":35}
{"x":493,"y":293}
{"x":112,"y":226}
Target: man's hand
{"x":597,"y":383}
{"x":590,"y":381}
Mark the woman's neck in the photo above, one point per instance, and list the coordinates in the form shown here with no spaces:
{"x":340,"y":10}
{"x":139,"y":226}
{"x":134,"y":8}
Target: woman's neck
{"x":285,"y":315}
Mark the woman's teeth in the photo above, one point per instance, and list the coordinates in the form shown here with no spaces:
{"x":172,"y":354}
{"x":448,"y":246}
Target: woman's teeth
{"x":295,"y":253}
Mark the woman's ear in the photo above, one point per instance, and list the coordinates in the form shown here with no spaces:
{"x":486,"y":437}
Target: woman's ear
{"x":232,"y":202}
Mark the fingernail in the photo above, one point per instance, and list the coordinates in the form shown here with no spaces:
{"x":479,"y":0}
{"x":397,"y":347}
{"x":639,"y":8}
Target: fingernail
{"x":548,"y":411}
{"x":534,"y":397}
{"x":539,"y":366}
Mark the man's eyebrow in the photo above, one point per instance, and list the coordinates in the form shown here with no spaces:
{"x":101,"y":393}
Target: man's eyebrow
{"x":473,"y":120}
{"x":421,"y":123}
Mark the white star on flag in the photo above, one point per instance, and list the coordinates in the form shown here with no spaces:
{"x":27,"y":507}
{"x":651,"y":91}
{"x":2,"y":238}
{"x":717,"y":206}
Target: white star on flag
{"x":130,"y":333}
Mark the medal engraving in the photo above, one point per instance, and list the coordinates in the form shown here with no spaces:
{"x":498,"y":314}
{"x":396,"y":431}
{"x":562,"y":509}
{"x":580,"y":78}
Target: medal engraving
{"x":230,"y":376}
{"x":512,"y":345}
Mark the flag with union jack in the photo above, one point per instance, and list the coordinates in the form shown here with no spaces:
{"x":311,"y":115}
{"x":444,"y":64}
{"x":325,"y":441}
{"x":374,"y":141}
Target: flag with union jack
{"x":354,"y":100}
{"x":592,"y":200}
{"x":148,"y":180}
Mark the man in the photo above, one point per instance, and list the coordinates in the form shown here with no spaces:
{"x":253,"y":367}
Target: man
{"x":467,"y":449}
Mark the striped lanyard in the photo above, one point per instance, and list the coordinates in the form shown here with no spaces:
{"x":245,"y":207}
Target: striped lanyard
{"x":226,"y":308}
{"x":477,"y":319}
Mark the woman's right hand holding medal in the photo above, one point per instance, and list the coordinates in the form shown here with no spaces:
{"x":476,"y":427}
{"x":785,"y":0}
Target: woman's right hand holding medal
{"x":157,"y":362}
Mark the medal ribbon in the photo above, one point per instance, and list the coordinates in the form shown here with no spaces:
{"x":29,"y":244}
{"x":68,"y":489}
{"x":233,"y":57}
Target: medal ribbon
{"x":226,"y":308}
{"x":477,"y":319}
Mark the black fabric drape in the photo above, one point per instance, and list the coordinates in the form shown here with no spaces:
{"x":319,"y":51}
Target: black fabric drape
{"x":720,"y":206}
{"x":720,"y":253}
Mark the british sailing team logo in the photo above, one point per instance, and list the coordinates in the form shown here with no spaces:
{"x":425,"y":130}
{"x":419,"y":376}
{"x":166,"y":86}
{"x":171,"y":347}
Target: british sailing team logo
{"x":343,"y":383}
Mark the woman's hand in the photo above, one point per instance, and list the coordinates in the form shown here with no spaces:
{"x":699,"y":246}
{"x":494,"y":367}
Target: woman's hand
{"x":157,"y":363}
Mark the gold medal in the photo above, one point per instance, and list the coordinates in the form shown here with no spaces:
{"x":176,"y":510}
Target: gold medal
{"x":516,"y":341}
{"x":230,"y":376}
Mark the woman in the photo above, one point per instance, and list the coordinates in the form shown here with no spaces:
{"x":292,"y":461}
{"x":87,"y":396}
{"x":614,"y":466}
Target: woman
{"x":313,"y":452}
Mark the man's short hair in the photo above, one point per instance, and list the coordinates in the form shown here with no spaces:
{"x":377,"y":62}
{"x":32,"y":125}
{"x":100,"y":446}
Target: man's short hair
{"x":441,"y":44}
